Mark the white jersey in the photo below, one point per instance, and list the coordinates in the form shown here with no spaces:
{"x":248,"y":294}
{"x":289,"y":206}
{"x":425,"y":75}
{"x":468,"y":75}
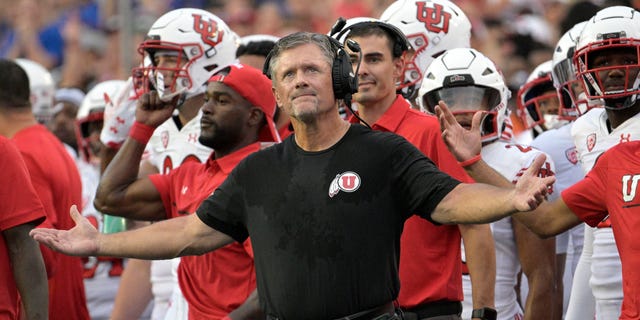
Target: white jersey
{"x":169,"y":146}
{"x":558,"y":143}
{"x":511,"y":161}
{"x":167,"y":149}
{"x":101,"y":274}
{"x":592,"y":136}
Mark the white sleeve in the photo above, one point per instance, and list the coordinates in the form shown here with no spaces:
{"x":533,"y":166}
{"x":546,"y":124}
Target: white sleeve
{"x":582,"y":304}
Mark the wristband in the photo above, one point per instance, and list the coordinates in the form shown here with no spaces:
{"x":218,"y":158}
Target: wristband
{"x":485,"y":313}
{"x":470,"y":161}
{"x":226,"y":318}
{"x":141,"y":132}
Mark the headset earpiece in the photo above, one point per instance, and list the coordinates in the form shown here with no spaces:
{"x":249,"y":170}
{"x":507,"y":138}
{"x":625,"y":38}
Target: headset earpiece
{"x":343,"y":79}
{"x":265,"y":66}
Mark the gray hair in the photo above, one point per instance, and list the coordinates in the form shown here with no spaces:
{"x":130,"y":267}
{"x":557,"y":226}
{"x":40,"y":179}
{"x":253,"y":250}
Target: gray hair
{"x":297,"y":39}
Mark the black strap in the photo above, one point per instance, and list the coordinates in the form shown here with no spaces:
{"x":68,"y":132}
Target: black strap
{"x":437,"y":308}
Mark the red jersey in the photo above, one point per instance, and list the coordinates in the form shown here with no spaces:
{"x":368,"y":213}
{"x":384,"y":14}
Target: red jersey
{"x":611,"y":189}
{"x":19,"y":204}
{"x":55,"y":175}
{"x":430,"y":268}
{"x":285,"y":131}
{"x":218,"y":282}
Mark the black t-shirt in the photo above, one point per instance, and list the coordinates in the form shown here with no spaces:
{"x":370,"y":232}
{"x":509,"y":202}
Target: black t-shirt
{"x":325,"y":226}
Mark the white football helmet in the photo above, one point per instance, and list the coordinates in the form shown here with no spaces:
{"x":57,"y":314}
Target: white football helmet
{"x":432,"y":27}
{"x":613,"y":29}
{"x":202,"y":43}
{"x":564,"y":77}
{"x":467,"y":81}
{"x":92,"y":112}
{"x":537,"y":100}
{"x":42,"y":87}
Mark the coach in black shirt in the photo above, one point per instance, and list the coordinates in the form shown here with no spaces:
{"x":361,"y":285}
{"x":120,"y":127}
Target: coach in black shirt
{"x":324,"y":209}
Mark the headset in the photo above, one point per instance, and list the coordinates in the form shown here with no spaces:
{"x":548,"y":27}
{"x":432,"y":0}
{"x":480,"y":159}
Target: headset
{"x":344,"y":80}
{"x":342,"y":27}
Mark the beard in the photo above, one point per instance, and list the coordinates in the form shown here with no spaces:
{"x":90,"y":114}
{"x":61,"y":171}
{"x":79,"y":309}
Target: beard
{"x":217,"y":137}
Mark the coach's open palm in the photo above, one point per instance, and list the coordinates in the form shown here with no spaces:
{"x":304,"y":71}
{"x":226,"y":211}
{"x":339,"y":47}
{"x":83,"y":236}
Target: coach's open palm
{"x":82,"y":240}
{"x":531,"y":189}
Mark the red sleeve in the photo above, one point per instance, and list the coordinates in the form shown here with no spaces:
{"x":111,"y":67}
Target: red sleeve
{"x":445,"y":161}
{"x":248,"y":248}
{"x":19,"y":203}
{"x":587,"y":198}
{"x":162,"y":182}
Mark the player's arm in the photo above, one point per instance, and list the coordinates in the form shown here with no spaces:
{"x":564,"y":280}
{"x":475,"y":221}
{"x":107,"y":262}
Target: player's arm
{"x":537,"y":258}
{"x":120,"y":191}
{"x":166,"y":239}
{"x":28,"y":270}
{"x":480,"y":256}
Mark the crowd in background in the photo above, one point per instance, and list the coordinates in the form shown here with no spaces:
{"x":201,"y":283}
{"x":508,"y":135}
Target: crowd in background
{"x":80,"y":40}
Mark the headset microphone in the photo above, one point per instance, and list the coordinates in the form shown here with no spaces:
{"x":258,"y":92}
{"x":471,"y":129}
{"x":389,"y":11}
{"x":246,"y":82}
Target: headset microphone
{"x":354,"y":47}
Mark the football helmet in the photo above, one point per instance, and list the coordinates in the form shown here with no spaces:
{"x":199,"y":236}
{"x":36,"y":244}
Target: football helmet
{"x":613,"y":30}
{"x":91,"y":112}
{"x":432,"y":27}
{"x":467,"y":81}
{"x":201,"y":43}
{"x":563,"y":74}
{"x":42,"y":88}
{"x":537,"y":100}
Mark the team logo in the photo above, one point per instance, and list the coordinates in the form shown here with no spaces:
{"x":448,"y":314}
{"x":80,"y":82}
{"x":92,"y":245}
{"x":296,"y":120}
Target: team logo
{"x":164,"y":136}
{"x":456,"y":78}
{"x":591,"y":141}
{"x":629,"y":186}
{"x":209,"y":32}
{"x":435,"y":19}
{"x":347,"y":181}
{"x":625,"y":137}
{"x":572,"y":155}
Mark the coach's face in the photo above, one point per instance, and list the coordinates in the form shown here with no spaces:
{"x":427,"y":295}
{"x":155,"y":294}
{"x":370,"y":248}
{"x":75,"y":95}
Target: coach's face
{"x":302,"y":83}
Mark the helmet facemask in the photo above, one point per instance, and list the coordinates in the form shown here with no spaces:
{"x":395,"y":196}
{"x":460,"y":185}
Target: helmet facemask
{"x":168,"y":79}
{"x":609,"y":70}
{"x":465,"y":101}
{"x":538,"y":104}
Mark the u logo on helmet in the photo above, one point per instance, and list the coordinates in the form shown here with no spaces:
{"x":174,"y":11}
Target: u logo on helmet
{"x":208,"y":30}
{"x":435,"y":19}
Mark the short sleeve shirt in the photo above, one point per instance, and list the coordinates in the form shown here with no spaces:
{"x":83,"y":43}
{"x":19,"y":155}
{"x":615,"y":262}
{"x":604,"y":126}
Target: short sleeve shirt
{"x":325,"y":226}
{"x":611,"y":189}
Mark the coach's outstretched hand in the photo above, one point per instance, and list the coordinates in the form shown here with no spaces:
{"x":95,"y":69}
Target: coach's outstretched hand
{"x":82,"y":240}
{"x":531,"y":189}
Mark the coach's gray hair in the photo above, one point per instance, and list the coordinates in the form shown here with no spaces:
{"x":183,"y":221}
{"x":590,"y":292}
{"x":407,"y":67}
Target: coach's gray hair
{"x":297,"y":39}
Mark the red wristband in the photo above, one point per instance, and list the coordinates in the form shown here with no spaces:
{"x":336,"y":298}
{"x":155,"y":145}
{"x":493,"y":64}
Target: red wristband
{"x":141,"y":132}
{"x":470,"y":161}
{"x":226,"y":318}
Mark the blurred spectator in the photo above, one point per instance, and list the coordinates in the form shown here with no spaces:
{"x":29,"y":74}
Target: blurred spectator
{"x":67,"y":101}
{"x":577,"y":12}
